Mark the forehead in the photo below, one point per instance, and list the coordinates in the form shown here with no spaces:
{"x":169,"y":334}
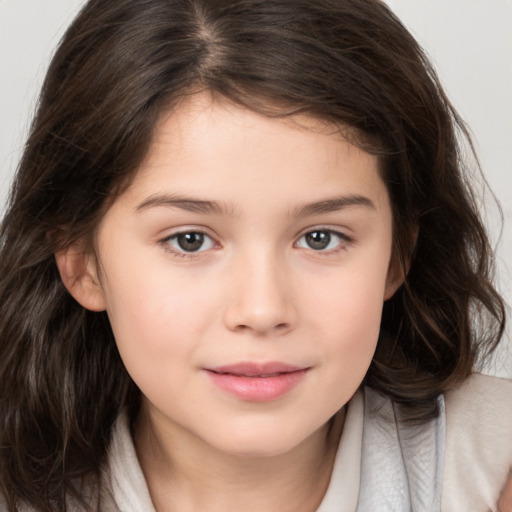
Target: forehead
{"x":206,"y":146}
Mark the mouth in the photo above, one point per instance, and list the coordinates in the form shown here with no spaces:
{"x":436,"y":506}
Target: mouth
{"x":255,"y":382}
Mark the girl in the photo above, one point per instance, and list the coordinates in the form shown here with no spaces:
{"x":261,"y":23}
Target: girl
{"x":242,"y":269}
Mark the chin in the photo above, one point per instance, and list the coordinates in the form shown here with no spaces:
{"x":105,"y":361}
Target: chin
{"x":257,"y":450}
{"x":262,"y":441}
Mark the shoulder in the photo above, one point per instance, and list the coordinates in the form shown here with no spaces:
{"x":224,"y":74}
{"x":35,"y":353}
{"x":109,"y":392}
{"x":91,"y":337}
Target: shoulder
{"x":478,"y":453}
{"x":482,"y":392}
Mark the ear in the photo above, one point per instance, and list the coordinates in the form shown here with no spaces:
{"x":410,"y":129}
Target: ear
{"x":79,"y":272}
{"x":399,"y":268}
{"x":395,"y":278}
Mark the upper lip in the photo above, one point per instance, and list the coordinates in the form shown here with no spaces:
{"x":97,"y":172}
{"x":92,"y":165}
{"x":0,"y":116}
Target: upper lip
{"x":253,"y":369}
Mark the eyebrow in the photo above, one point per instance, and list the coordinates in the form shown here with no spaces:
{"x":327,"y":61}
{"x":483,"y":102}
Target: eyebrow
{"x":204,"y":206}
{"x":333,"y":204}
{"x":189,"y":204}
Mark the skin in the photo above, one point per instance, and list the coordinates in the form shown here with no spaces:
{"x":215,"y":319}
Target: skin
{"x":256,"y":290}
{"x":505,"y":502}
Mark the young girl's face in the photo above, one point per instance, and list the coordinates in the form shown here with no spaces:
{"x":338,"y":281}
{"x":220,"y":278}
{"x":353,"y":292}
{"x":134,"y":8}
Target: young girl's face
{"x":244,"y":273}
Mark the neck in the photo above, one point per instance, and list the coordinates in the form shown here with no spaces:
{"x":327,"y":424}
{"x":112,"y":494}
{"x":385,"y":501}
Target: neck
{"x":186,"y":475}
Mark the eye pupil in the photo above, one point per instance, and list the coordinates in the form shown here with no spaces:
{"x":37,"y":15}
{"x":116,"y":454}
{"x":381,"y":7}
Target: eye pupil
{"x":190,"y":242}
{"x":318,"y":239}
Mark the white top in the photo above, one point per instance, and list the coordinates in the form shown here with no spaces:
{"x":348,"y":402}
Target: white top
{"x":343,"y":491}
{"x":478,"y":455}
{"x":476,"y":463}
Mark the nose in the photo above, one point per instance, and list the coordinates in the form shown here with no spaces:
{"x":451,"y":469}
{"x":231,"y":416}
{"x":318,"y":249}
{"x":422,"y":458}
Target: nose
{"x":261,"y":299}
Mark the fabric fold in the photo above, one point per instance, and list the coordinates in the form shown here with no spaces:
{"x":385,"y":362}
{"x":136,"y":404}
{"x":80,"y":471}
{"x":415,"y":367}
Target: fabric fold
{"x":401,"y":464}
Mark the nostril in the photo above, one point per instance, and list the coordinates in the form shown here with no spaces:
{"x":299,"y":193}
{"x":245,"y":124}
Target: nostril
{"x":260,"y":311}
{"x":260,"y":329}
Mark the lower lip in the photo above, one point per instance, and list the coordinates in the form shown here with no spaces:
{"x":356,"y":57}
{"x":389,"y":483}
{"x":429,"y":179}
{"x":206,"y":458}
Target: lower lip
{"x":257,"y":389}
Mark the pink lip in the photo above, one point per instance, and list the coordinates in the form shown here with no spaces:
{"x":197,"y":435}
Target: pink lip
{"x":256,"y":382}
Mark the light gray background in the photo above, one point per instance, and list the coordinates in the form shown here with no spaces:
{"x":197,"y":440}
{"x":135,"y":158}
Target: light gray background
{"x":469,"y":41}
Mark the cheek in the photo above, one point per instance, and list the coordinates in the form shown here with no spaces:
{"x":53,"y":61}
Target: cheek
{"x":347,"y":317}
{"x":352,"y":300}
{"x":158,"y":317}
{"x":353,"y":340}
{"x":145,"y":326}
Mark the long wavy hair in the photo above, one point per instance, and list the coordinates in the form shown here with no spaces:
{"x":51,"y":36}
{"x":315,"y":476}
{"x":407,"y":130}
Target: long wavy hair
{"x":119,"y":66}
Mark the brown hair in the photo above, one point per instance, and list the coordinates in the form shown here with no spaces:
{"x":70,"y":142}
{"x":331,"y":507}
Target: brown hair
{"x":123,"y":62}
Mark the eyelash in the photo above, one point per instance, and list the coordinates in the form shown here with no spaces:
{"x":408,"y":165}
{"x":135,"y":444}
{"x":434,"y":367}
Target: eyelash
{"x":165,"y":243}
{"x":344,"y":240}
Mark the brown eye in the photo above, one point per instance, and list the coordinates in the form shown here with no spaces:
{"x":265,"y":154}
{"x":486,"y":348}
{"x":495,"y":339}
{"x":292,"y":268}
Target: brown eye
{"x":322,"y":240}
{"x":190,"y":241}
{"x":318,"y":240}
